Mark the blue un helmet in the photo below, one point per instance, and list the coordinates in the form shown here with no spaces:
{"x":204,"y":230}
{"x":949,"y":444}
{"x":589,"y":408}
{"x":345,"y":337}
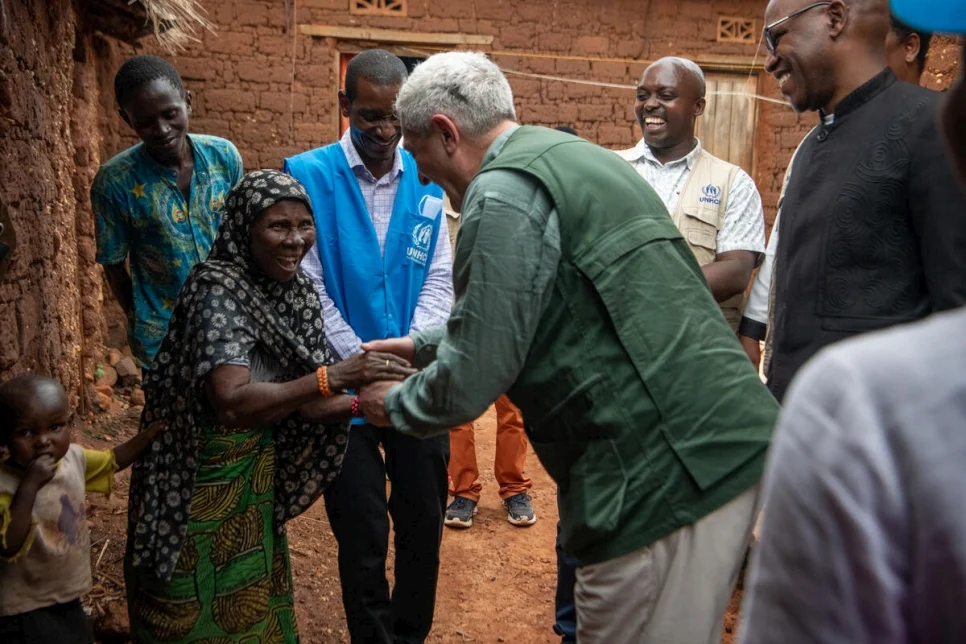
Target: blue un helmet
{"x":935,"y":16}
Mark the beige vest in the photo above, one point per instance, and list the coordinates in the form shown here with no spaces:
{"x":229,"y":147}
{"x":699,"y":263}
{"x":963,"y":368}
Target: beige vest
{"x":452,"y":221}
{"x":700,"y":214}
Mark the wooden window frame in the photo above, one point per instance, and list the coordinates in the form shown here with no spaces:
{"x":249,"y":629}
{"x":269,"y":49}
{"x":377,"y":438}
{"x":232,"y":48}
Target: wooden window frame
{"x":396,"y":8}
{"x":732,"y":29}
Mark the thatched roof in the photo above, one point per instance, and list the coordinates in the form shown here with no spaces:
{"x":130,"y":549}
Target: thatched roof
{"x":174,"y":23}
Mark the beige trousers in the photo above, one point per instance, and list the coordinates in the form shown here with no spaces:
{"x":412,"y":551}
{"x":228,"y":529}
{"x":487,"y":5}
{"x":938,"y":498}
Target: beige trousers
{"x":674,"y":591}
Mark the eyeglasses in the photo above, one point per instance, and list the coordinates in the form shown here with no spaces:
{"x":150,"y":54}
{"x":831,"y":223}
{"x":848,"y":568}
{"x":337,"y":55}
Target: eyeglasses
{"x":392,"y":119}
{"x":771,"y":41}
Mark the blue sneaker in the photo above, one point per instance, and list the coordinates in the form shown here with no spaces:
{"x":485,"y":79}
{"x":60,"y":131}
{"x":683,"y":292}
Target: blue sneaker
{"x":519,"y":510}
{"x":460,"y":513}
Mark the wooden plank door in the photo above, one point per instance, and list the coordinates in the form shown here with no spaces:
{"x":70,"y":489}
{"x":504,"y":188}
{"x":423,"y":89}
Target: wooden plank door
{"x":727,"y":127}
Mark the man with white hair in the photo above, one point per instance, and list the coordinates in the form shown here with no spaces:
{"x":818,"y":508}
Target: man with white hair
{"x":714,"y":204}
{"x":577,"y":296}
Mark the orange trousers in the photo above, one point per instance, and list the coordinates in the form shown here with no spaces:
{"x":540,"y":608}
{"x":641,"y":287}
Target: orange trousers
{"x":511,"y":455}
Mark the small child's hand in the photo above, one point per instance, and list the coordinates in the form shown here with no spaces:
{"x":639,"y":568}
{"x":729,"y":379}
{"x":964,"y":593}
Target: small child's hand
{"x":40,"y":471}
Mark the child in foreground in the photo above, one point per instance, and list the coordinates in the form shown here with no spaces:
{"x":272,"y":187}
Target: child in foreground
{"x":45,"y":543}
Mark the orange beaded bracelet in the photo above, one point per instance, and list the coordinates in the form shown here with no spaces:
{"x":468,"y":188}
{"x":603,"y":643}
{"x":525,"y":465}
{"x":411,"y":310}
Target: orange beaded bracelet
{"x":323,"y":377}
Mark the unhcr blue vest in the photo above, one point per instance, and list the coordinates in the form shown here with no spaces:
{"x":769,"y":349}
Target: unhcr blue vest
{"x":376,"y":295}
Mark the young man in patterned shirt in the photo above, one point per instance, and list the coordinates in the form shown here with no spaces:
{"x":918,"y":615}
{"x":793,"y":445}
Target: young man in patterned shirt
{"x":158,"y":204}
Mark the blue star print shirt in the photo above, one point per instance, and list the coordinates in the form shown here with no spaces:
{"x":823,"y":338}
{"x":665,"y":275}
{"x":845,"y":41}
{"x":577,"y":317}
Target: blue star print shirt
{"x":140,"y":213}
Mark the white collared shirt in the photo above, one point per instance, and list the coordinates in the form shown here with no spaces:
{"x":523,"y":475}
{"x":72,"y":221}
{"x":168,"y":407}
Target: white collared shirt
{"x":744,"y":224}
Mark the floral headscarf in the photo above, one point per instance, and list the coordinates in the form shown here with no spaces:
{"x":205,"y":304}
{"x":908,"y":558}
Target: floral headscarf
{"x":227,"y":307}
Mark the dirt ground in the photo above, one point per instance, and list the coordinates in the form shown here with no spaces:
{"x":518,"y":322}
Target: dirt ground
{"x":496,"y":581}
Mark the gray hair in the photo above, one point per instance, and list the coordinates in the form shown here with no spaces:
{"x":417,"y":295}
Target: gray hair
{"x":465,"y":86}
{"x":690,"y":67}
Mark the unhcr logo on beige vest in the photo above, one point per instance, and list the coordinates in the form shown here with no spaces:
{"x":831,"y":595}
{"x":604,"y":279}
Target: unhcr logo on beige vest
{"x":710,"y":194}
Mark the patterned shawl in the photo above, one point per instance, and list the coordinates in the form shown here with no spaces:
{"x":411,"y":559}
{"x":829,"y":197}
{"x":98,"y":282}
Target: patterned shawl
{"x":227,"y":307}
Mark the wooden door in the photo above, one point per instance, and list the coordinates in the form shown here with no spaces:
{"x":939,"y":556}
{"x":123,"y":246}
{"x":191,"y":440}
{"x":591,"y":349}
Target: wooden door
{"x":727,"y":127}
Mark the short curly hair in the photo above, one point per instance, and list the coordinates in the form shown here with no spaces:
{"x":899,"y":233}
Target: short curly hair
{"x":138,"y":71}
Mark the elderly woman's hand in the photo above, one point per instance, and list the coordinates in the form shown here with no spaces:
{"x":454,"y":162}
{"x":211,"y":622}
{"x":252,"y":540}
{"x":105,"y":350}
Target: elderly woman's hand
{"x":364,"y":368}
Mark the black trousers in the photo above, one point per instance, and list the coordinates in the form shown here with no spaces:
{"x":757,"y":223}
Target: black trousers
{"x":56,"y":624}
{"x":359,"y":514}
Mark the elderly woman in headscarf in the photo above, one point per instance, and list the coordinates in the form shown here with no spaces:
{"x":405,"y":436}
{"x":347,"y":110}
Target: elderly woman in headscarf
{"x":253,"y":426}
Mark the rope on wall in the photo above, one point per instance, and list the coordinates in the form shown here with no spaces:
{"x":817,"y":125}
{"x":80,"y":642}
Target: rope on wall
{"x":429,"y":51}
{"x":630,"y":87}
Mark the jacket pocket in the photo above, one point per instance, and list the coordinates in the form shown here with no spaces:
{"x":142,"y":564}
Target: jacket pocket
{"x":593,"y":502}
{"x":700,"y":228}
{"x":564,"y":420}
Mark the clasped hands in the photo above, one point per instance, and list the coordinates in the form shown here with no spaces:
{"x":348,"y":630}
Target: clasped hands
{"x":372,"y":397}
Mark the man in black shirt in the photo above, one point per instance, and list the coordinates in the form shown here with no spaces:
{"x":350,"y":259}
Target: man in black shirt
{"x":872,"y":229}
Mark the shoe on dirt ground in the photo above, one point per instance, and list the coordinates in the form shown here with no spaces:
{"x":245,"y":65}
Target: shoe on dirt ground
{"x":519,"y":510}
{"x":460,"y":513}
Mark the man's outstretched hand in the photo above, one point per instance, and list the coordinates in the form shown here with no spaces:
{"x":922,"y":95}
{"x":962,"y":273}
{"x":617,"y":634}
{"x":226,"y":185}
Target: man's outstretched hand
{"x":372,"y":399}
{"x":403,"y":347}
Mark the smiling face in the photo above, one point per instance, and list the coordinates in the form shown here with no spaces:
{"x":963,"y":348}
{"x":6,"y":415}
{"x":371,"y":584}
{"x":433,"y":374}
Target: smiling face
{"x":668,"y":102}
{"x":158,"y":112}
{"x":281,"y":235}
{"x":374,"y":126}
{"x":430,"y":157}
{"x":802,"y":61}
{"x":441,"y":158}
{"x":42,"y":425}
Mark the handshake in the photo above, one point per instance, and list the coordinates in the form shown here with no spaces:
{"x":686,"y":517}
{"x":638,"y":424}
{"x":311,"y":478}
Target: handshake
{"x":372,"y":397}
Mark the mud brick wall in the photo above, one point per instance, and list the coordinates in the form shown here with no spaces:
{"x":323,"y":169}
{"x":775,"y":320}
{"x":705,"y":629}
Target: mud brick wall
{"x":51,"y":309}
{"x":272,"y":90}
{"x":40,"y":312}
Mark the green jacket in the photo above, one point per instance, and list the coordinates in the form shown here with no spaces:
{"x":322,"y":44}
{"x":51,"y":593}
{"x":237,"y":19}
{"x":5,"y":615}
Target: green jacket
{"x":635,"y":393}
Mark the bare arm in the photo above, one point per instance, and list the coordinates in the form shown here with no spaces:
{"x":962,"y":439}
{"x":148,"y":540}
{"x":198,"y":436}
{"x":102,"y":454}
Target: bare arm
{"x":729,"y":273}
{"x":38,"y":474}
{"x":328,"y":410}
{"x":752,"y":347}
{"x":120,"y":282}
{"x":126,"y":453}
{"x":238,"y":402}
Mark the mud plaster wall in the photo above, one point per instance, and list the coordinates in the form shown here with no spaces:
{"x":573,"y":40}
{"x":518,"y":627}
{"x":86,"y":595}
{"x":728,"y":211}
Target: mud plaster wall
{"x":40,"y":313}
{"x":50,"y":300}
{"x":273,"y":91}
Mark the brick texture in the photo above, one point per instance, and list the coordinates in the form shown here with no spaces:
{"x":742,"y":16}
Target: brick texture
{"x":242,"y":75}
{"x":272,"y":91}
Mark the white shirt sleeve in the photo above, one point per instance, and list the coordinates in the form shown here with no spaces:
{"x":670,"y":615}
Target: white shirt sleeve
{"x":757,"y":306}
{"x":342,"y":340}
{"x":744,"y":224}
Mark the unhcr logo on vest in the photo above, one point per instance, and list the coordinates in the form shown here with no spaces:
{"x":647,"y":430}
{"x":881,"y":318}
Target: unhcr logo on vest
{"x":711,"y":194}
{"x":422,"y":235}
